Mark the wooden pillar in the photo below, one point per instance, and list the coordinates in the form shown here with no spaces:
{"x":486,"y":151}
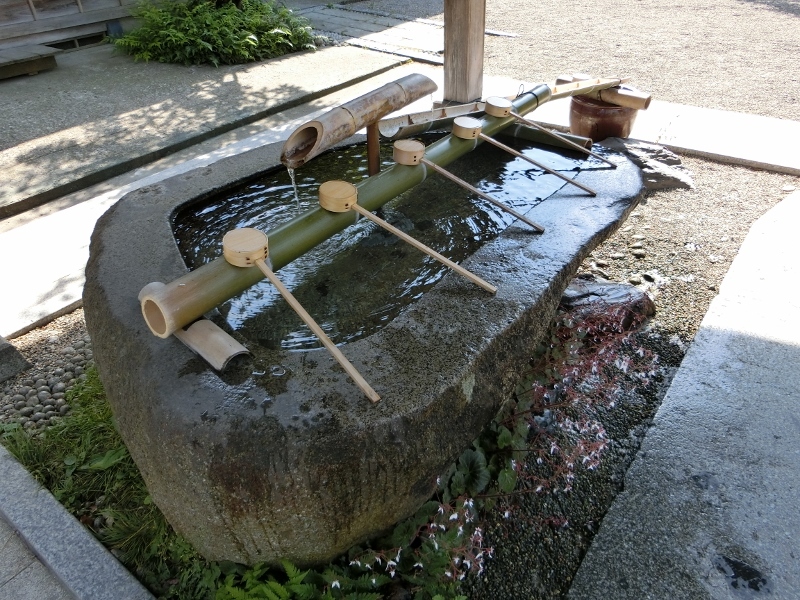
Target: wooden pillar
{"x":464,"y":25}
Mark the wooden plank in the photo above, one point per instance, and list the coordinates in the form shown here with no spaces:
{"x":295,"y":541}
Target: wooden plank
{"x":15,"y":11}
{"x":27,"y":67}
{"x":66,"y":22}
{"x":464,"y":24}
{"x":25,"y":53}
{"x":55,"y":35}
{"x":51,"y":9}
{"x":90,"y":5}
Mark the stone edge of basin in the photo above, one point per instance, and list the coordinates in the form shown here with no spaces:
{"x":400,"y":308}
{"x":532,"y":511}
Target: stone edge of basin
{"x":329,"y":468}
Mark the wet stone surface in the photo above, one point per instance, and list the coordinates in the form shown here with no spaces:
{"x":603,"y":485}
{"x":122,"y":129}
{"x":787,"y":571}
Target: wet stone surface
{"x":303,"y":467}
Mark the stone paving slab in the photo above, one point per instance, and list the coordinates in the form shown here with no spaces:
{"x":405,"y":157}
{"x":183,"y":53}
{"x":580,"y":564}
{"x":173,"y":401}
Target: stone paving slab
{"x":710,"y":503}
{"x":81,"y":124}
{"x":22,"y":575}
{"x":414,"y":38}
{"x":69,"y":562}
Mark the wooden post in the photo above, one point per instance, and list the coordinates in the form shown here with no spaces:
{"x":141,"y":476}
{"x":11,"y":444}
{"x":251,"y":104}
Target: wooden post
{"x":373,"y":149}
{"x":464,"y":25}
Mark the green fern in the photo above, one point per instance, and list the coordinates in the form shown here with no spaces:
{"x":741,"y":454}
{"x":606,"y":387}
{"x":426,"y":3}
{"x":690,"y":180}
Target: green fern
{"x":199,"y":31}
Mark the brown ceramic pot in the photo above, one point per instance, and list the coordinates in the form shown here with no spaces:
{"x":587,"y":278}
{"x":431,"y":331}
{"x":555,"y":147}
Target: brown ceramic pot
{"x":599,"y":120}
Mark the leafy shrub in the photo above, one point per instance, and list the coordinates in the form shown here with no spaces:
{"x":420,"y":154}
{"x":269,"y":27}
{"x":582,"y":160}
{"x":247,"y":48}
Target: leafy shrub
{"x":198,"y":32}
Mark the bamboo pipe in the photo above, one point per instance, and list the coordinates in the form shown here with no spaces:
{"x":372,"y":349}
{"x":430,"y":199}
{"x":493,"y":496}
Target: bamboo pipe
{"x":412,"y":152}
{"x":340,"y":123}
{"x":246,"y":247}
{"x":416,"y":123}
{"x":501,"y":107}
{"x":467,"y":127}
{"x":620,"y":96}
{"x":341,"y":196}
{"x":190,"y":296}
{"x":561,"y":138}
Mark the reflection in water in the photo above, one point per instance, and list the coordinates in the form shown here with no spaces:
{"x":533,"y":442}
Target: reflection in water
{"x":361,"y":278}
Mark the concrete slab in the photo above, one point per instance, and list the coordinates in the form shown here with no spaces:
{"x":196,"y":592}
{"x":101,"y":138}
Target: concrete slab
{"x":125,"y":126}
{"x":710,"y":504}
{"x":71,"y":562}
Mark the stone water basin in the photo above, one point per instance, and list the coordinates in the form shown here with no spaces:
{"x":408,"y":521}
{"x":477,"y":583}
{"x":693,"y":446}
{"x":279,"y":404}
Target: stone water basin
{"x":282,"y":456}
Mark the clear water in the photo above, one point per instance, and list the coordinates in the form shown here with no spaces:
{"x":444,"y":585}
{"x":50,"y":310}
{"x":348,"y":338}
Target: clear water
{"x":360,"y":279}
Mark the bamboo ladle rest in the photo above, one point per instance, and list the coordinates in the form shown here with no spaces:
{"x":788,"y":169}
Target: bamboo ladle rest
{"x":341,"y":196}
{"x":468,"y":128}
{"x":412,"y":152}
{"x":497,"y":106}
{"x":247,"y":247}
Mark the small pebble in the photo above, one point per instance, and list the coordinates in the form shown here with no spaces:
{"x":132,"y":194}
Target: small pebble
{"x":601,"y":263}
{"x":636,"y":245}
{"x":639,"y":253}
{"x":638,"y":236}
{"x":617,"y":255}
{"x":788,"y":188}
{"x":634,"y":279}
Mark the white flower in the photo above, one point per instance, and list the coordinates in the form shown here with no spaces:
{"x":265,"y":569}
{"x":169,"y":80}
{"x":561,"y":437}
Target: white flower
{"x":335,"y":584}
{"x":419,"y":564}
{"x":454,"y":516}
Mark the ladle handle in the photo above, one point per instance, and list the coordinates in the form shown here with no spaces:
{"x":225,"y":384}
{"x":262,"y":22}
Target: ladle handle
{"x":420,"y":246}
{"x":561,"y":138}
{"x":323,"y":337}
{"x":510,"y":150}
{"x":477,"y":192}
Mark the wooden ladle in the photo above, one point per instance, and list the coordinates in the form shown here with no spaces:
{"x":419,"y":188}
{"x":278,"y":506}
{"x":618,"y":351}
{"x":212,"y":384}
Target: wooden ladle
{"x":247,"y":247}
{"x":341,"y":196}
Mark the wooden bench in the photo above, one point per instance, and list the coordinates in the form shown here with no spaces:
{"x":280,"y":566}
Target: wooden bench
{"x":26,"y":60}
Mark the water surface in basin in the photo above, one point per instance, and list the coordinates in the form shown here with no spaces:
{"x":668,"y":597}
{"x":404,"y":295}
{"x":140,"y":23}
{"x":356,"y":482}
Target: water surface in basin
{"x":360,"y":279}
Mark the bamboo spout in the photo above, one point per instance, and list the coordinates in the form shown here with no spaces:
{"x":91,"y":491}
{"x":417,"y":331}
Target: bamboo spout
{"x":340,"y":123}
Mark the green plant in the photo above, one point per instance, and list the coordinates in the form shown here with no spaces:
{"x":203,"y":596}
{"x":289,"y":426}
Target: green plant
{"x":585,"y":363}
{"x":84,"y":463}
{"x":199,"y":31}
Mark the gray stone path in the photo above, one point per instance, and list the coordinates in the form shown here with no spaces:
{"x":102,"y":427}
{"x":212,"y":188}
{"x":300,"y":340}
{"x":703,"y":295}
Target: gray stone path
{"x":710,"y":506}
{"x":418,"y":38}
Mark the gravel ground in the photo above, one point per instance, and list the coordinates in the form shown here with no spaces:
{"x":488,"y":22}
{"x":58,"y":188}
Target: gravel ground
{"x":59,"y":353}
{"x":726,"y":54}
{"x":736,"y":55}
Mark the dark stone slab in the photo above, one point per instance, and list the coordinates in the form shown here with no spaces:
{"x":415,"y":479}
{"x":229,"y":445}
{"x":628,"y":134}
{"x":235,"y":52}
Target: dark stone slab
{"x":11,"y":361}
{"x":317,"y":468}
